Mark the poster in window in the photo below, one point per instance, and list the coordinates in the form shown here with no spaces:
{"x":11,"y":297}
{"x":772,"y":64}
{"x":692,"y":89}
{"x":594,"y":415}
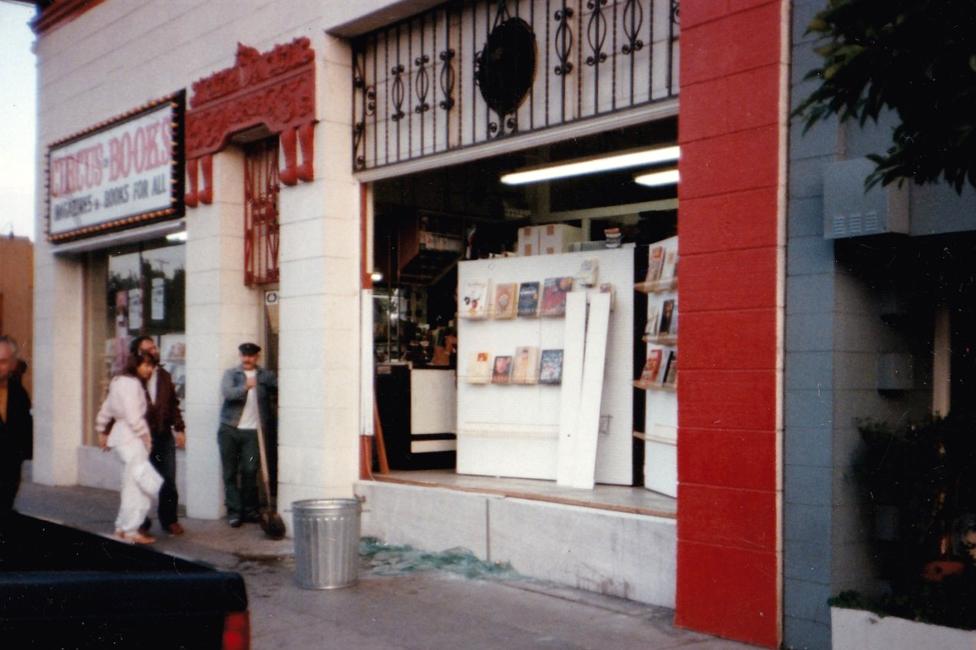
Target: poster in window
{"x":135,"y":310}
{"x":158,"y":297}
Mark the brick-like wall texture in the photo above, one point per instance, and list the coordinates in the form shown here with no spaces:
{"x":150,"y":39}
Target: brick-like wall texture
{"x":731,"y":233}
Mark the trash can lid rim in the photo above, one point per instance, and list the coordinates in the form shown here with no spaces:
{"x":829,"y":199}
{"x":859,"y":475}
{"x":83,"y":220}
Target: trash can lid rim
{"x":324,"y":504}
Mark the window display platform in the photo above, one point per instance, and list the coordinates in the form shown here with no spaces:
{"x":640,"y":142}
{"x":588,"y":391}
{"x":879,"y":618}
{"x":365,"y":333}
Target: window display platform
{"x":634,"y":500}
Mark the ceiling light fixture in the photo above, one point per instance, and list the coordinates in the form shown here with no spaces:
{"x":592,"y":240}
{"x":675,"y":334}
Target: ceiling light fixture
{"x":656,"y":179}
{"x":592,"y":165}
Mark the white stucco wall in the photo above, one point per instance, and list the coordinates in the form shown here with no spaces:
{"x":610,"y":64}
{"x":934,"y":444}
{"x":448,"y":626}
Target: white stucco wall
{"x":119,"y":55}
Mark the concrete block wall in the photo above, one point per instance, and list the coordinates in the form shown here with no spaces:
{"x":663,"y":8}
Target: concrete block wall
{"x":834,"y":334}
{"x":320,"y":277}
{"x":809,"y":370}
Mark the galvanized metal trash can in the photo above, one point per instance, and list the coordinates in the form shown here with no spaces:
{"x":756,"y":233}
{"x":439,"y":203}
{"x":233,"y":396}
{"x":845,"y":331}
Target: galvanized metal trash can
{"x":326,"y":542}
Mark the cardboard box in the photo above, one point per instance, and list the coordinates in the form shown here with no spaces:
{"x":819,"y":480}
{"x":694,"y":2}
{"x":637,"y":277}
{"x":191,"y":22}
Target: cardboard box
{"x":528,"y":240}
{"x":555,"y":238}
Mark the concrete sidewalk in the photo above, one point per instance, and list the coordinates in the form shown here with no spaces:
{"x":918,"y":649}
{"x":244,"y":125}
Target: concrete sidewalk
{"x":398,"y":603}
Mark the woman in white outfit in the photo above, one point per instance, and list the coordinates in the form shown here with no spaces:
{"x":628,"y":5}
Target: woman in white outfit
{"x":121,"y":425}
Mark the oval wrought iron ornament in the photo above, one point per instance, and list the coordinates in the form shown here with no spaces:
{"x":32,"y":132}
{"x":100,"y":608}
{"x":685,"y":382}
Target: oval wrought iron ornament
{"x":506,"y":65}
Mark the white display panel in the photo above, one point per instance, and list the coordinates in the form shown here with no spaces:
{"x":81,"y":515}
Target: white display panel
{"x":432,"y":401}
{"x":512,"y":430}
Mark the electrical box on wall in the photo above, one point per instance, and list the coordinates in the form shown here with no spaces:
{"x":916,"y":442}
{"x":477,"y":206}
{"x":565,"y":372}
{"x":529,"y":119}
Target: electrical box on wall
{"x":850,"y":211}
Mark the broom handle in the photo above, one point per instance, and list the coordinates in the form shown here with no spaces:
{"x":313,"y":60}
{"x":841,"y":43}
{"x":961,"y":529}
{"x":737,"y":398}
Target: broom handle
{"x":265,"y":481}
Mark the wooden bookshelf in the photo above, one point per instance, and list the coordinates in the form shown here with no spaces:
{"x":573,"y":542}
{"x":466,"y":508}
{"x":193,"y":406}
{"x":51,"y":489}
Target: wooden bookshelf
{"x":658,"y":286}
{"x":650,"y":437}
{"x":645,"y":385}
{"x":661,"y":339}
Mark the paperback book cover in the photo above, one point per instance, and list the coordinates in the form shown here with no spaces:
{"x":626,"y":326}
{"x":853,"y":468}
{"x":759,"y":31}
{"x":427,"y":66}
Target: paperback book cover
{"x":655,"y":263}
{"x":528,"y":300}
{"x":525,"y":367}
{"x":652,"y":367}
{"x":669,"y":271}
{"x":667,"y":314}
{"x":479,"y":370}
{"x":671,"y":371}
{"x":588,"y":273}
{"x":474,"y":299}
{"x":554,"y":296}
{"x":551,"y":367}
{"x":505,"y":300}
{"x":653,"y":319}
{"x":502,"y":370}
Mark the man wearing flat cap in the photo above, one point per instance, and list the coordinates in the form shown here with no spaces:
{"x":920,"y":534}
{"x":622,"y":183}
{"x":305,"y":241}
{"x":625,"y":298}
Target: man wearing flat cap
{"x":249,"y":393}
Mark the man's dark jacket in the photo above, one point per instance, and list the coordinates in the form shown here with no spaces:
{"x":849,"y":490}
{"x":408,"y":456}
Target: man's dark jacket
{"x":163,"y":415}
{"x":17,"y":433}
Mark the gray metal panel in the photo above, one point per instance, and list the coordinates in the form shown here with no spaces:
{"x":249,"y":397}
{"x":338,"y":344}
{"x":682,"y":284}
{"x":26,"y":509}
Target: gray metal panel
{"x":852,"y":211}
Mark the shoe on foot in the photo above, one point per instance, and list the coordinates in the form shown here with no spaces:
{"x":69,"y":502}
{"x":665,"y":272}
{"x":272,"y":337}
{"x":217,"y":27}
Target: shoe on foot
{"x":134,"y":538}
{"x":175,"y":529}
{"x":146,"y":525}
{"x":234,"y":522}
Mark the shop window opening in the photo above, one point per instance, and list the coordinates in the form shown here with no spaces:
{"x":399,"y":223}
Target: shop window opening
{"x":261,"y":187}
{"x":446,"y":420}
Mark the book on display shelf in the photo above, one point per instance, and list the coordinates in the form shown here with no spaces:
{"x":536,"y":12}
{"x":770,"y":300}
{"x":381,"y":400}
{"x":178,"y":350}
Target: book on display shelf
{"x":528,"y":300}
{"x":505,"y":303}
{"x":667,"y":314}
{"x":588,"y":273}
{"x":669,"y":270}
{"x":652,"y":366}
{"x":525,"y":366}
{"x":670,"y":373}
{"x":554,"y":296}
{"x":655,"y":263}
{"x":653,"y":319}
{"x":501,"y":370}
{"x":479,"y":369}
{"x":474,"y":299}
{"x":551,"y":367}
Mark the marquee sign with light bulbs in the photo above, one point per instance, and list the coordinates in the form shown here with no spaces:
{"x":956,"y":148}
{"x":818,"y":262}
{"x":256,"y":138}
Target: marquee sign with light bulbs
{"x":119,"y":173}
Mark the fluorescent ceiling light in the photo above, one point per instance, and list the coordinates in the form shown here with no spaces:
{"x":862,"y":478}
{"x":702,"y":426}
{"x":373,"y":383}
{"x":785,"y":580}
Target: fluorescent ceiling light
{"x":593,"y":165}
{"x":655,"y":179}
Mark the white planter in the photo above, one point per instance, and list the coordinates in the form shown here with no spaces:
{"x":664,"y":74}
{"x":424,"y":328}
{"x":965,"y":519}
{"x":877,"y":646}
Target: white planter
{"x":856,"y":629}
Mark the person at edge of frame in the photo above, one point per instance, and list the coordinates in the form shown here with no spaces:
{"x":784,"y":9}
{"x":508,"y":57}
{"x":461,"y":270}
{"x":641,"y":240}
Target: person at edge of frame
{"x":16,"y":427}
{"x":249,"y":393}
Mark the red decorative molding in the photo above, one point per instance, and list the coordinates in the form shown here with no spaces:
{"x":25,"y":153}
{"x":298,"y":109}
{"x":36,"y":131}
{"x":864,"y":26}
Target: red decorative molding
{"x":60,"y":12}
{"x":275,"y":90}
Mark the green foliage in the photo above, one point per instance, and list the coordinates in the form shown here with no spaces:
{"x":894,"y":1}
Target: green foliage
{"x":925,"y":471}
{"x":916,"y":58}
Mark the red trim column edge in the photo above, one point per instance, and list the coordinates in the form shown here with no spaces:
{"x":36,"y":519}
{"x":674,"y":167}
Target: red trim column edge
{"x":732,"y":131}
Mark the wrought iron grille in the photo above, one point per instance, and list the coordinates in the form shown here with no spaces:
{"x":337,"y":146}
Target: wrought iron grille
{"x":416,"y":82}
{"x":261,"y":186}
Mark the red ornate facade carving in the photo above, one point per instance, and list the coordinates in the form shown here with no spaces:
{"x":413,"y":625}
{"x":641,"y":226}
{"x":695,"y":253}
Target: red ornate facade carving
{"x":273,"y":89}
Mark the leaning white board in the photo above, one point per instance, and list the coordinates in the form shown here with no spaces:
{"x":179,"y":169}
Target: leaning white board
{"x":573,"y":349}
{"x":583,"y":461}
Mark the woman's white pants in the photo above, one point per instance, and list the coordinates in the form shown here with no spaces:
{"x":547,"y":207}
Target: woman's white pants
{"x":140,"y":485}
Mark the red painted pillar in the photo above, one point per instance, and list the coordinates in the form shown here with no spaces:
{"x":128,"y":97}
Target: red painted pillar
{"x":732,"y":130}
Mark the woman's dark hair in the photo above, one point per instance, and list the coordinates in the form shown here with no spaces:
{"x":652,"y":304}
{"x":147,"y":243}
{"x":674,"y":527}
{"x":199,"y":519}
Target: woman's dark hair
{"x":133,"y":362}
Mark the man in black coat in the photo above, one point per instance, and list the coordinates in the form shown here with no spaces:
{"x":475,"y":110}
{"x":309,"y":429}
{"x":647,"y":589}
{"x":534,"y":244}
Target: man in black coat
{"x":16,"y":427}
{"x":168,"y":432}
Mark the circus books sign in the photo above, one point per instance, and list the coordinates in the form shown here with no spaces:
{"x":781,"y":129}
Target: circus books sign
{"x":117,"y":174}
